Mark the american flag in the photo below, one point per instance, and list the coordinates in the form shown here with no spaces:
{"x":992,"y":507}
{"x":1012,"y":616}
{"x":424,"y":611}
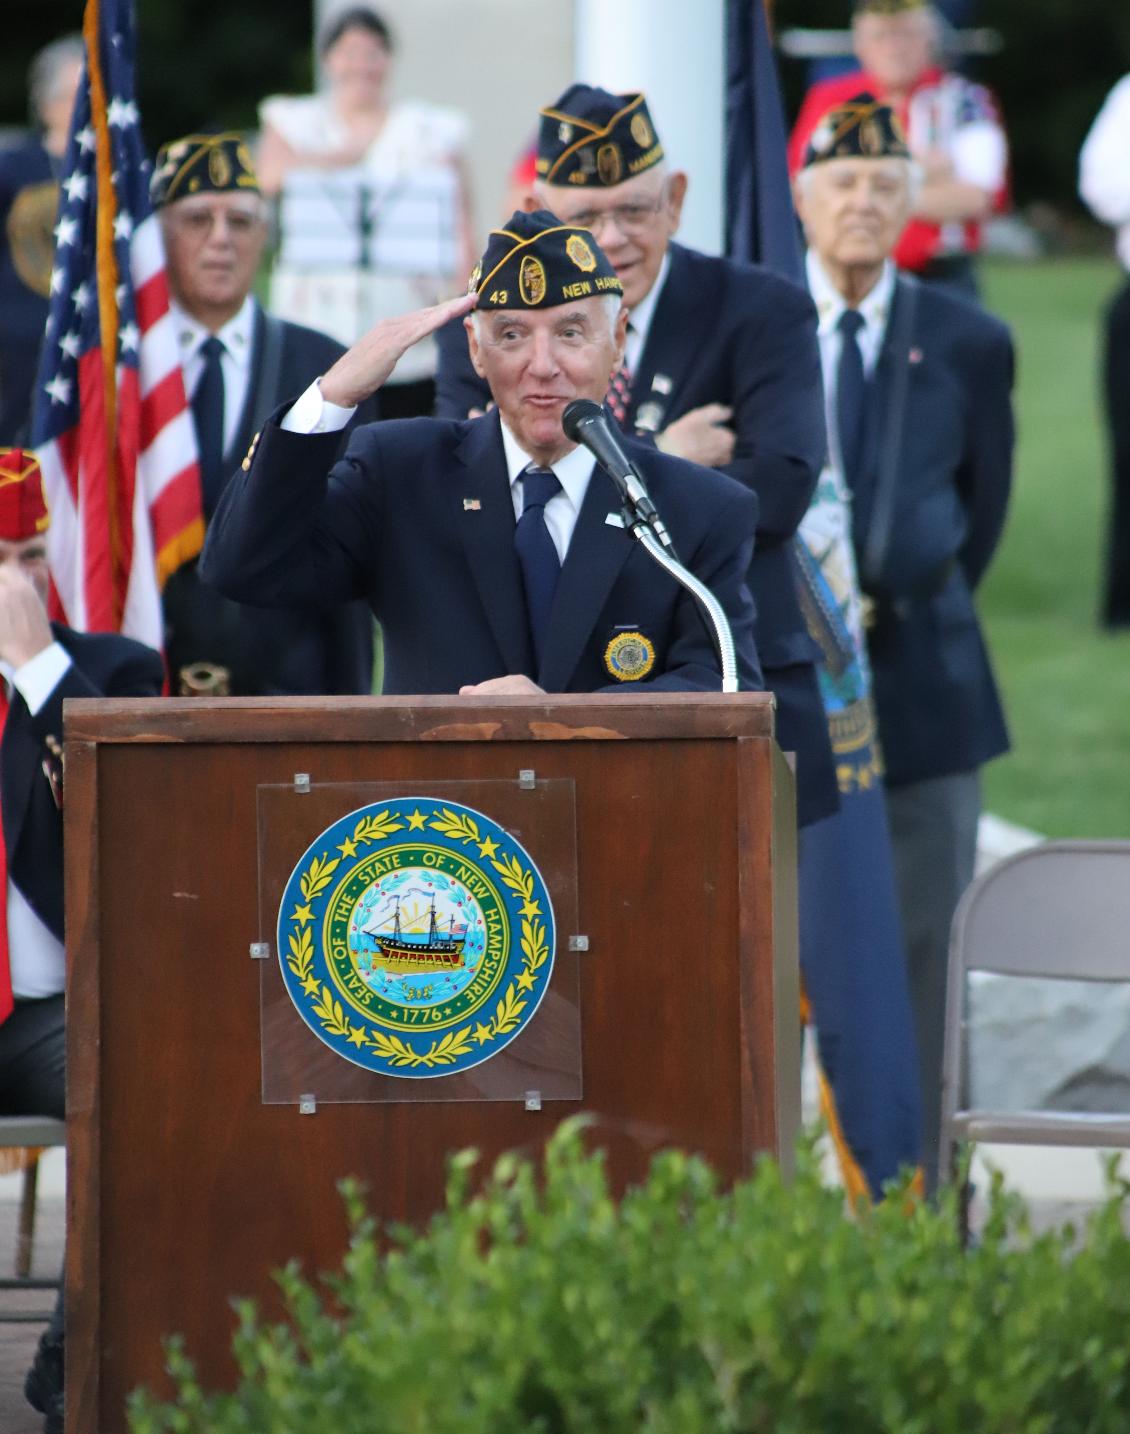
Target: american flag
{"x":111,"y":424}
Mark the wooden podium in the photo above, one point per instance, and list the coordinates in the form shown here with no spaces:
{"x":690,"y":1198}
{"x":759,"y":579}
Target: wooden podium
{"x":186,"y":1187}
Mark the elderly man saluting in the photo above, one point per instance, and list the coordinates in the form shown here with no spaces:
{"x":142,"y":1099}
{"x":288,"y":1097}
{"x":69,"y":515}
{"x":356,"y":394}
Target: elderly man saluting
{"x":490,"y":549}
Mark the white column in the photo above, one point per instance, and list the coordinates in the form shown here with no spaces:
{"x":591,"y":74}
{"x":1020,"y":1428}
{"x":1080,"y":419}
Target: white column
{"x":673,"y":51}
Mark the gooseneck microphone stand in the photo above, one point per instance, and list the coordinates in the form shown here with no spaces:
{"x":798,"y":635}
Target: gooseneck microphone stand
{"x":586,"y":423}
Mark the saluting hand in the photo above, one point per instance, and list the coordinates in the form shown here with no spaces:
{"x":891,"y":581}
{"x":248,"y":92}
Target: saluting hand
{"x":24,"y":629}
{"x":363,"y":368}
{"x":701,"y":436}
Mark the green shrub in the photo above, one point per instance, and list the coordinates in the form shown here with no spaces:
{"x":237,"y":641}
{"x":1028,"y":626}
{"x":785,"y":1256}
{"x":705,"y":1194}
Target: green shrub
{"x":541,"y":1304}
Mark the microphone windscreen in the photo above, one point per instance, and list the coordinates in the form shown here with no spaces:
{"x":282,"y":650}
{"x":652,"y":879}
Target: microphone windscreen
{"x":576,"y":413}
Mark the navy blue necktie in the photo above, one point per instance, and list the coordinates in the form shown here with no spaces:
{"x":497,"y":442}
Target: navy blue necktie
{"x":851,"y":395}
{"x":541,"y":567}
{"x":208,"y":414}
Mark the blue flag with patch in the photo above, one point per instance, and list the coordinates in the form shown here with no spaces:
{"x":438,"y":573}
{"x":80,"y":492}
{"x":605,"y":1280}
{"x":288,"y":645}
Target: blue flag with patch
{"x":851,"y":950}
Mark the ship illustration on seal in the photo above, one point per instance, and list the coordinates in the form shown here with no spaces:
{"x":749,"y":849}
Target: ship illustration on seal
{"x":407,"y":953}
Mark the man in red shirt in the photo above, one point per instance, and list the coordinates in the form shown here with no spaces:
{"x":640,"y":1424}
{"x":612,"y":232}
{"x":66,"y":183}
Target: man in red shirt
{"x":953,"y":129}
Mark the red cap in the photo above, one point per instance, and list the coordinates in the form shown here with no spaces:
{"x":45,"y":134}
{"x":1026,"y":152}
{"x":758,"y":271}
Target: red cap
{"x":23,"y":511}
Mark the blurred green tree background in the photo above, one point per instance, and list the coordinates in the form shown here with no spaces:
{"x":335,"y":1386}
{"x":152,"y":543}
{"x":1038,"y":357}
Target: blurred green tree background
{"x":198,"y":65}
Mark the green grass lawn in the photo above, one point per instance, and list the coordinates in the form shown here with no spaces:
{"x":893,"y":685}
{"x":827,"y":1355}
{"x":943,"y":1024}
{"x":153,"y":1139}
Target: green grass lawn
{"x":1066,"y":682}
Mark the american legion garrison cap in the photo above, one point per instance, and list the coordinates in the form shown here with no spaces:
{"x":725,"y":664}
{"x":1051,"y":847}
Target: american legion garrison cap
{"x":536,"y":262}
{"x":23,"y":509}
{"x":202,"y":164}
{"x":860,"y":128}
{"x":594,"y":138}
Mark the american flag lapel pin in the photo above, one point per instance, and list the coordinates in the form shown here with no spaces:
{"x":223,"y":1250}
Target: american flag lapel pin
{"x":472,"y":505}
{"x":915,"y":356}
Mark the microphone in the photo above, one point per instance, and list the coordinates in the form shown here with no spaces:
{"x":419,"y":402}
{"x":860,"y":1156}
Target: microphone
{"x":586,"y":423}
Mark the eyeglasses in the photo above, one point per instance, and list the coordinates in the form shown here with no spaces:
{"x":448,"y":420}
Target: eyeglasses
{"x":630,"y":219}
{"x":240,"y":223}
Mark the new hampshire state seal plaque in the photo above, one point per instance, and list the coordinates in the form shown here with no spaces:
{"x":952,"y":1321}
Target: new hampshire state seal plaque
{"x":416,"y":937}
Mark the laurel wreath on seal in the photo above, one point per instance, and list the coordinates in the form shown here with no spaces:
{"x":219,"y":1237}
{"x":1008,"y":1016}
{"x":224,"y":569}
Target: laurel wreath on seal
{"x":447,"y":1049}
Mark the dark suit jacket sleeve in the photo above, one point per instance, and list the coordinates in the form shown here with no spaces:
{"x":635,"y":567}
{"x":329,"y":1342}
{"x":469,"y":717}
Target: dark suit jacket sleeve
{"x":289,"y":532}
{"x":139,"y":673}
{"x":458,"y":386}
{"x":778,"y":410}
{"x":985,"y":477}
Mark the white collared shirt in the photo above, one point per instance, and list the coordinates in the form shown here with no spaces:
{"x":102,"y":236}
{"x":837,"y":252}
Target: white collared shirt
{"x":573,"y":472}
{"x":36,"y":955}
{"x":1104,"y":174}
{"x":639,"y":318}
{"x":874,"y":308}
{"x":236,"y":336}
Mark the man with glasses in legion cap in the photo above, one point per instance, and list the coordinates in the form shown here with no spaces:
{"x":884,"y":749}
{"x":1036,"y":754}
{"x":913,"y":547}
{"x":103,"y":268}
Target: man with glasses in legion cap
{"x":720,"y":367}
{"x":239,"y":364}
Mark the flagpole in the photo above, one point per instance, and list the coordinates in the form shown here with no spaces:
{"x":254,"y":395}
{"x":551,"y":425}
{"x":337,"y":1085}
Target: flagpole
{"x":106,"y":274}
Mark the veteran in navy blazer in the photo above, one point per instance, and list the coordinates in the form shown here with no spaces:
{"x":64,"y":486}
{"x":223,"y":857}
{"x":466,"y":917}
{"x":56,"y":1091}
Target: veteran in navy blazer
{"x":41,"y":665}
{"x":429,"y":519}
{"x":239,"y":364}
{"x":722,"y":369}
{"x":919,"y":414}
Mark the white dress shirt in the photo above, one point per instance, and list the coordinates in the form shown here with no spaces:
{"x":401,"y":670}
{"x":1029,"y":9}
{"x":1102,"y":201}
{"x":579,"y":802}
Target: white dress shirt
{"x":873,"y":308}
{"x":36,"y":954}
{"x":311,"y":413}
{"x":235,"y":362}
{"x":1104,"y":166}
{"x":639,"y":318}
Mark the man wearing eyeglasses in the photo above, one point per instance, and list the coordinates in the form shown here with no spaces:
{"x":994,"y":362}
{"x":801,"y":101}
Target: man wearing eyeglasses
{"x":239,"y":365}
{"x":721,"y":367}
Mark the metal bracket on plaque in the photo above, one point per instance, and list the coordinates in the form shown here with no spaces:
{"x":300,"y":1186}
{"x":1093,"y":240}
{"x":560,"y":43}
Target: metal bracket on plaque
{"x":260,"y":950}
{"x":527,"y":779}
{"x":533,"y":1100}
{"x":578,"y":943}
{"x":302,"y":782}
{"x":307,"y":1105}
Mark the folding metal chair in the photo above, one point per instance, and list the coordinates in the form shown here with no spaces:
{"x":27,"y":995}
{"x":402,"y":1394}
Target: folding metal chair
{"x":34,"y":1133}
{"x":1058,"y":911}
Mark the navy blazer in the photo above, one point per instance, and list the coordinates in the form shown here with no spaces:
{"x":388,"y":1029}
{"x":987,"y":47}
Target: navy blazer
{"x":271,"y":653}
{"x":736,"y":334}
{"x":102,"y":665}
{"x":938,"y":707}
{"x":418,"y":518}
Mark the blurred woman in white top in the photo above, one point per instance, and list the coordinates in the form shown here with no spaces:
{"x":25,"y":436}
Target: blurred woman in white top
{"x":392,"y":231}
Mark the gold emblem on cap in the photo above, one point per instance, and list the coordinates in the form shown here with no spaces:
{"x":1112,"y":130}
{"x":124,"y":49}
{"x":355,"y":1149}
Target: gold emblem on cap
{"x":609,"y":165}
{"x":629,"y":657}
{"x":870,"y":137}
{"x":473,"y":281}
{"x":531,"y":280}
{"x":641,"y":131}
{"x":581,"y":254}
{"x":219,"y":167}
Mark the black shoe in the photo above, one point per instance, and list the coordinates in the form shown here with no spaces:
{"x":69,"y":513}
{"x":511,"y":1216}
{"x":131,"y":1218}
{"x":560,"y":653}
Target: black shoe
{"x":43,"y":1387}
